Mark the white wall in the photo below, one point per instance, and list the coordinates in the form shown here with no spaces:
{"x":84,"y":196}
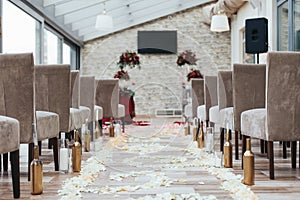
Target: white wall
{"x":265,"y":8}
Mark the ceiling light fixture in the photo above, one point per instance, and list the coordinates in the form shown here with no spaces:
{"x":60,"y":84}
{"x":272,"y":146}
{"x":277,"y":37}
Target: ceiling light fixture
{"x":219,"y":22}
{"x":104,"y":22}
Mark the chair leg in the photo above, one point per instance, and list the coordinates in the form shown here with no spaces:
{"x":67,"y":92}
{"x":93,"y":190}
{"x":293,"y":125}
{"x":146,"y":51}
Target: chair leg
{"x":30,"y":158}
{"x":222,"y":139}
{"x":262,"y":146}
{"x":293,"y":153}
{"x":15,"y":172}
{"x":5,"y":162}
{"x":244,"y":137}
{"x":230,"y":135}
{"x":123,"y":124}
{"x":284,"y":152}
{"x":55,"y":152}
{"x":236,"y":138}
{"x":271,"y":159}
{"x":100,"y":127}
{"x":288,"y":144}
{"x":40,"y":147}
{"x":0,"y":162}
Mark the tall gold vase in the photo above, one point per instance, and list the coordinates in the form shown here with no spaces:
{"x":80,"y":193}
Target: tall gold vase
{"x":76,"y":154}
{"x":248,"y":160}
{"x":200,"y":138}
{"x":36,"y":173}
{"x":227,"y":152}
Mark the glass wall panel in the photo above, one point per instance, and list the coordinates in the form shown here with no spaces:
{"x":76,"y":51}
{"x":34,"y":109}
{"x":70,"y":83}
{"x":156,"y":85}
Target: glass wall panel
{"x":19,"y":31}
{"x":297,"y":25}
{"x":283,"y":28}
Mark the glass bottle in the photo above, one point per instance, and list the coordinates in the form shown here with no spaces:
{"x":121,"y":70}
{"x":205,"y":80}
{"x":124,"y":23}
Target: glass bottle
{"x":63,"y":155}
{"x":248,"y":160}
{"x":76,"y":154}
{"x":227,"y":152}
{"x":87,"y":136}
{"x":200,"y":138}
{"x":36,"y":173}
{"x":111,"y":128}
{"x":195,"y":129}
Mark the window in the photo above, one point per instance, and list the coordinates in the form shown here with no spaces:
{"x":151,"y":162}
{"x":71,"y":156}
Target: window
{"x":52,"y":49}
{"x":18,"y":38}
{"x":288,"y":25}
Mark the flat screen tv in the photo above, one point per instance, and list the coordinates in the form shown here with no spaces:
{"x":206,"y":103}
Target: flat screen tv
{"x":157,"y":42}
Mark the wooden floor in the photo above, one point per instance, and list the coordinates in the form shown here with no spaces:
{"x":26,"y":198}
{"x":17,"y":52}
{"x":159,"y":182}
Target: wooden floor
{"x":286,"y":184}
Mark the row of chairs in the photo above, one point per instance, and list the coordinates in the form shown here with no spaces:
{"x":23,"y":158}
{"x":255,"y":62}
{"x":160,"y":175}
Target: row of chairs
{"x":53,"y":97}
{"x":260,"y":101}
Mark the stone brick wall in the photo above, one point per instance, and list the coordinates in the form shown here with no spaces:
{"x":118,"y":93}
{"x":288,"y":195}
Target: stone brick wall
{"x":159,"y":82}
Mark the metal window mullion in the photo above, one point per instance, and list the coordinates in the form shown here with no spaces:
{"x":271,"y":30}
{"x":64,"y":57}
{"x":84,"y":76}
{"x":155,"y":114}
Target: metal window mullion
{"x":291,"y":25}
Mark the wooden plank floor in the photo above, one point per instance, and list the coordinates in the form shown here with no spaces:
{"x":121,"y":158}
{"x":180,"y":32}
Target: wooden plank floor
{"x":286,"y":179}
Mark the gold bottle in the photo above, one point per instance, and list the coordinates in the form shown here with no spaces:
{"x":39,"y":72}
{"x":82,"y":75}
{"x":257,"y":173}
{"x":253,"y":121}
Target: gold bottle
{"x":200,"y":138}
{"x":248,"y":160}
{"x":36,"y":173}
{"x":76,"y":154}
{"x":227,"y":152}
{"x":195,"y":129}
{"x":87,"y":137}
{"x":111,"y":128}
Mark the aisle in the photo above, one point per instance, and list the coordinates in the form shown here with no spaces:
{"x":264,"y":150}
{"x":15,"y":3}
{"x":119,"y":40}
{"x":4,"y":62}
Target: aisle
{"x":154,"y":161}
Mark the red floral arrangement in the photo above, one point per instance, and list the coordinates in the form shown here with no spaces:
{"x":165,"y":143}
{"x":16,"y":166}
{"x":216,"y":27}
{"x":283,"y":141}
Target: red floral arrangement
{"x":194,"y":73}
{"x":122,"y":75}
{"x":129,"y":58}
{"x":186,"y":57}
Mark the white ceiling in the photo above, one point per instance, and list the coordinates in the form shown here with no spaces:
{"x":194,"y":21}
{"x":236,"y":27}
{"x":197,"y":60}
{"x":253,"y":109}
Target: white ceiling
{"x":78,"y":17}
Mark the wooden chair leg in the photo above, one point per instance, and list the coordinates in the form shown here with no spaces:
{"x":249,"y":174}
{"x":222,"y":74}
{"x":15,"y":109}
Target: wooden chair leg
{"x":244,"y":137}
{"x":40,"y":147}
{"x":271,"y":159}
{"x":123,"y":124}
{"x":222,"y":138}
{"x":284,"y":152}
{"x":266,"y":148}
{"x":15,"y":172}
{"x":55,"y":152}
{"x":230,"y":135}
{"x":288,"y":144}
{"x":293,"y":153}
{"x":0,"y":162}
{"x":5,"y":162}
{"x":236,"y":138}
{"x":262,"y":146}
{"x":30,"y":158}
{"x":100,"y":127}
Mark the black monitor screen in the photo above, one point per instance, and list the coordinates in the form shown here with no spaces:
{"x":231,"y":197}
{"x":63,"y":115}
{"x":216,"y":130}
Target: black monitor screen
{"x":154,"y":42}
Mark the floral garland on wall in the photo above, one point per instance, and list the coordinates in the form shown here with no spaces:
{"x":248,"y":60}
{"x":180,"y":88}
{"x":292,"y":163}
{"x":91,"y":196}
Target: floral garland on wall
{"x":188,"y":57}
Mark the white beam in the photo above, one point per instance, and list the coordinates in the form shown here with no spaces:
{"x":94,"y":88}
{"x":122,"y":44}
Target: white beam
{"x":51,"y":2}
{"x":155,"y":12}
{"x":71,"y":6}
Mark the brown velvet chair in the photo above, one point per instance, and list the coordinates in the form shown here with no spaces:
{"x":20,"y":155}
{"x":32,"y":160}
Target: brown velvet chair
{"x":225,"y":105}
{"x":81,"y":113}
{"x":197,"y":95}
{"x":211,"y":99}
{"x":18,"y":80}
{"x":107,"y":96}
{"x":248,"y":93}
{"x":10,"y":143}
{"x":279,"y":120}
{"x":87,"y":98}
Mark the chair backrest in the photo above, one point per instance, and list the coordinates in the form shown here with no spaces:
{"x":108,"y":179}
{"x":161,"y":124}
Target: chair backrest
{"x":225,"y":89}
{"x":87,"y":93}
{"x":283,"y":96}
{"x":249,"y":82}
{"x":107,"y":96}
{"x":75,"y":89}
{"x":197,"y":94}
{"x":16,"y":91}
{"x":52,"y":83}
{"x":210,"y":93}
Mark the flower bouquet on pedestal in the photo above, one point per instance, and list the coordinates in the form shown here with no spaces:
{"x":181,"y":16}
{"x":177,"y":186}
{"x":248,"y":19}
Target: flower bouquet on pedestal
{"x":186,"y":57}
{"x":130,"y":59}
{"x":194,"y":73}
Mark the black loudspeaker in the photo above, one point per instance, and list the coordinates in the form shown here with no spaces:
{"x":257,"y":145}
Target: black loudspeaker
{"x":256,"y":35}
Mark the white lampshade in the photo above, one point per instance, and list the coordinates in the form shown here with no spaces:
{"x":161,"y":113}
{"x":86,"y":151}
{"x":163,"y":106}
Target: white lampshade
{"x":219,"y":23}
{"x":104,"y":22}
